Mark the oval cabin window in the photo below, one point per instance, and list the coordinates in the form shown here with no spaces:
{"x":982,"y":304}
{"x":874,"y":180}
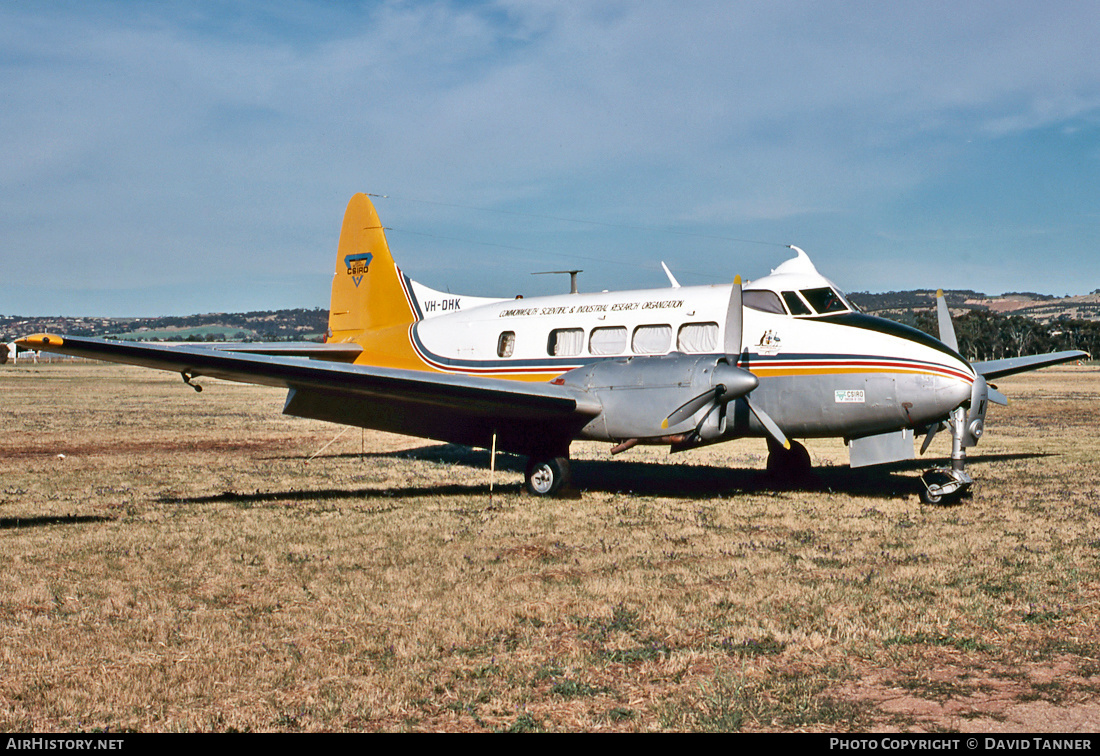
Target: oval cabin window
{"x":605,"y":341}
{"x":697,"y":337}
{"x":651,"y":339}
{"x":506,"y":344}
{"x":565,"y":342}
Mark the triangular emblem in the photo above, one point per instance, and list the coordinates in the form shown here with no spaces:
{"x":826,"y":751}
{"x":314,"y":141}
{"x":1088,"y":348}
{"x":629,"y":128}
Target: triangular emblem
{"x":357,"y":279}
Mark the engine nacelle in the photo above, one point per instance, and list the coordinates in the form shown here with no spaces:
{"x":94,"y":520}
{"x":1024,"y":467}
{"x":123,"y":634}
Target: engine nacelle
{"x":639,"y":393}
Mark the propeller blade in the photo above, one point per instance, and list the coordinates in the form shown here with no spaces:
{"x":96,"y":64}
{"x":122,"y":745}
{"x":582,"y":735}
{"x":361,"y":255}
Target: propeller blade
{"x":769,"y":424}
{"x":733,"y":321}
{"x":930,"y":435}
{"x":691,"y":406}
{"x":947,"y":328}
{"x":730,"y":382}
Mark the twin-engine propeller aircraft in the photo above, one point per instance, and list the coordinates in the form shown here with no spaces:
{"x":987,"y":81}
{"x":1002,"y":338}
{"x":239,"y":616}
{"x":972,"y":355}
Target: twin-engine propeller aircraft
{"x":785,"y":356}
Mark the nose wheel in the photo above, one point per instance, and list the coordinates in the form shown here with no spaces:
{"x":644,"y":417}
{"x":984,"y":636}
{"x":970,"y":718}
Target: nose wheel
{"x":946,"y":485}
{"x":547,"y":476}
{"x":943,"y":485}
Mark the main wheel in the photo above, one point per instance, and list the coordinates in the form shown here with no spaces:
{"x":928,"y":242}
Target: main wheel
{"x":789,"y":467}
{"x":547,"y":476}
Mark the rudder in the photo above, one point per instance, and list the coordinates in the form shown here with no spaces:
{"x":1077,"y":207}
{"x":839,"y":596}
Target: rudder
{"x":366,"y":287}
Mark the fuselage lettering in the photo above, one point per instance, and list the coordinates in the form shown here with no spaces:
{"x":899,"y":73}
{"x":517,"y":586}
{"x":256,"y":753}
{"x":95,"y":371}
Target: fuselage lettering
{"x":442,"y":305}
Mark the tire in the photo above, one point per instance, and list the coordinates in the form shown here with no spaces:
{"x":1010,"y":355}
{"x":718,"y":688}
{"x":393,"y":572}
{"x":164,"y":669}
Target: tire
{"x":546,"y":476}
{"x":789,"y":468}
{"x":938,"y":478}
{"x":928,"y":498}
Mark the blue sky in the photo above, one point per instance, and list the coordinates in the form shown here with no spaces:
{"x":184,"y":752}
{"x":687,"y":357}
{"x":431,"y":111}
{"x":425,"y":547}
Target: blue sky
{"x":174,"y":158}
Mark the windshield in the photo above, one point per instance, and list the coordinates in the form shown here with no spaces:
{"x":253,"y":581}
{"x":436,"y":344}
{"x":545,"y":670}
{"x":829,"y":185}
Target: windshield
{"x":825,"y":300}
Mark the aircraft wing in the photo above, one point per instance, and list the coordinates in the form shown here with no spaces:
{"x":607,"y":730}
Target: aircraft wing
{"x":346,"y":352}
{"x":993,"y":369}
{"x":528,"y":418}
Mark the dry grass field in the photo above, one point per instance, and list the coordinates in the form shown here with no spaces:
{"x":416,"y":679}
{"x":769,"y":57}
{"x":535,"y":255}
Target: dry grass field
{"x":186,"y":566}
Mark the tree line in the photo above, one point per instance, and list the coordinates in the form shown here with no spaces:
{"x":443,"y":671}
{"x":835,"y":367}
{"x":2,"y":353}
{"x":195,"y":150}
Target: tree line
{"x":986,"y":335}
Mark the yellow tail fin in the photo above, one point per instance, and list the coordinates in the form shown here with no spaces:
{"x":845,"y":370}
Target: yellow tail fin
{"x":367,"y":294}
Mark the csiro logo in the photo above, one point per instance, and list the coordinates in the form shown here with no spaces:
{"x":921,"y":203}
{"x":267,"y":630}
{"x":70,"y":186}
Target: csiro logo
{"x":357,"y":266}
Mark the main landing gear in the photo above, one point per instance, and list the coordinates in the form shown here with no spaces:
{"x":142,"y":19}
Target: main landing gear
{"x":547,"y":476}
{"x":789,"y":468}
{"x":946,"y":485}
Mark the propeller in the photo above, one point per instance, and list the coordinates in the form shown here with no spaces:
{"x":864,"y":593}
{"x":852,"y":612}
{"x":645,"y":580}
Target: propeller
{"x":947,"y":328}
{"x":730,"y":382}
{"x":981,"y":392}
{"x":932,"y":431}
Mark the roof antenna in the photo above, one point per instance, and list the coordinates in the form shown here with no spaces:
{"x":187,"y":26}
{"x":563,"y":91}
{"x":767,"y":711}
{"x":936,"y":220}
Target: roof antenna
{"x":671,"y":278}
{"x":572,"y":277}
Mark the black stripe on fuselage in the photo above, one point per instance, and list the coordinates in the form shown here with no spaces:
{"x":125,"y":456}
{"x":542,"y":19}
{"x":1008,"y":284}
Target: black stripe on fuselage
{"x":892,"y":328}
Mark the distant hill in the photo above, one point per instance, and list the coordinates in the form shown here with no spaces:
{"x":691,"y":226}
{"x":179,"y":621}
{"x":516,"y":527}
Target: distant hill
{"x":902,"y":305}
{"x":897,"y":301}
{"x":268,"y":325}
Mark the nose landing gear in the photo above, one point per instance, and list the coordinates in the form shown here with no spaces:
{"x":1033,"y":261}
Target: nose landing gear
{"x":946,"y":485}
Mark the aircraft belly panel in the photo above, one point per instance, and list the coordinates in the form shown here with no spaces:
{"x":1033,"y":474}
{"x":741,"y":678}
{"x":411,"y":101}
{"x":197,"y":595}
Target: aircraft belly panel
{"x":549,"y":435}
{"x":850,"y":404}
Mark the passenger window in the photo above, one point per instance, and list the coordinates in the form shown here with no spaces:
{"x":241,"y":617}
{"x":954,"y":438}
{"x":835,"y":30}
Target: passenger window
{"x":607,"y":340}
{"x":651,"y":339}
{"x":506,"y":344}
{"x":796,"y":305}
{"x":824,"y":300}
{"x":697,"y":337}
{"x":764,"y":301}
{"x":565,"y":342}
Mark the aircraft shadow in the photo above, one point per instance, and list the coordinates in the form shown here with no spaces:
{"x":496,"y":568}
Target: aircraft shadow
{"x":684,"y":481}
{"x":701,"y":481}
{"x":327,"y":494}
{"x":14,"y":523}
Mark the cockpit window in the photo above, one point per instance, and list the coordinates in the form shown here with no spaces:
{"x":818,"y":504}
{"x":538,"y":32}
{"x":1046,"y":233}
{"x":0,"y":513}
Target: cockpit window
{"x":796,"y":305}
{"x":825,"y":300}
{"x":765,"y":301}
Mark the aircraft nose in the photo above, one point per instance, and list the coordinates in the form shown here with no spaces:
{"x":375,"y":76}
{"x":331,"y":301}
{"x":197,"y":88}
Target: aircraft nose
{"x":931,"y":398}
{"x":953,"y":394}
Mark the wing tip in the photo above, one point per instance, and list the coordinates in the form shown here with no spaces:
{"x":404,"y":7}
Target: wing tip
{"x":39,"y":340}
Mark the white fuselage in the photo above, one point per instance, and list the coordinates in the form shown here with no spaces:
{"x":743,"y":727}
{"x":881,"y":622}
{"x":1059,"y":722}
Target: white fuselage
{"x":834,"y":374}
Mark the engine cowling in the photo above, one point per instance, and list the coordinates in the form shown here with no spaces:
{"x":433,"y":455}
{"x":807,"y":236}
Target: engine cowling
{"x":639,"y":393}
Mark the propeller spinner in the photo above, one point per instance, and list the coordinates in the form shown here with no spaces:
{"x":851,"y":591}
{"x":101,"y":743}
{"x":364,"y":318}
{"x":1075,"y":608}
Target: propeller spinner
{"x":730,"y":382}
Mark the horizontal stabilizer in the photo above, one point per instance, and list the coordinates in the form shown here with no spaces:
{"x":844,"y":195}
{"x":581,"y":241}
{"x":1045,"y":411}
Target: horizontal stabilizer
{"x":992,"y":369}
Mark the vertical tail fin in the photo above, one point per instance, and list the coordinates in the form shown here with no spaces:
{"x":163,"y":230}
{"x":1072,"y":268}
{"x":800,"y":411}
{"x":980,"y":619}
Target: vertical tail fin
{"x":366,"y":287}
